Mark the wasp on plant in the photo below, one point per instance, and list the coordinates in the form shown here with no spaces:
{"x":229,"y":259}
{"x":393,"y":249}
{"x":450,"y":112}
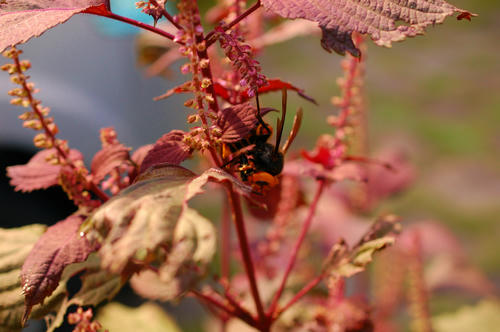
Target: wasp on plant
{"x":258,"y":162}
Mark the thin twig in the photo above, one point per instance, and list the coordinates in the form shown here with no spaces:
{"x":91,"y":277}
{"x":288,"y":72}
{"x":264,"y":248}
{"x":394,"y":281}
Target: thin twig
{"x":298,"y":244}
{"x":209,"y":38}
{"x":313,"y":283}
{"x":136,"y":23}
{"x":229,"y":310}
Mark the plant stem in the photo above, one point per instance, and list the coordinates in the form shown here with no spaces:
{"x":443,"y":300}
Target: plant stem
{"x":235,"y":203}
{"x":230,"y":311}
{"x":298,"y":244}
{"x":225,"y":242}
{"x":166,"y":14}
{"x":313,"y":283}
{"x":135,"y":23}
{"x":209,"y":38}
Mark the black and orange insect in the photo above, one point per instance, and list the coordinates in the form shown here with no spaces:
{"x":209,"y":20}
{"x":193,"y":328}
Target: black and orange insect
{"x":258,"y":162}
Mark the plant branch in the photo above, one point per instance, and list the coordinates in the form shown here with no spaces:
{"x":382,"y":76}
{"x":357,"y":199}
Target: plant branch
{"x":313,"y":283}
{"x":235,"y":202}
{"x":209,"y":38}
{"x":225,"y":242}
{"x":229,"y":310}
{"x":298,"y":244}
{"x":166,"y":14}
{"x":136,"y":23}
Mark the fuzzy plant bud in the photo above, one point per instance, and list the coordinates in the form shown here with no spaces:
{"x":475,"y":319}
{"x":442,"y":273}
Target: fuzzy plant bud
{"x":205,"y":83}
{"x":40,"y":140}
{"x":192,"y":118}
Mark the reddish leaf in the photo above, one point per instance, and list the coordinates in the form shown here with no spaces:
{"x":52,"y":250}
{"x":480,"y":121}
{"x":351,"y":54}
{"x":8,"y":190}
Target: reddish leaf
{"x":237,"y":97}
{"x":141,"y":153}
{"x":338,"y":19}
{"x":278,"y":85}
{"x":170,"y":148}
{"x":21,"y":20}
{"x":108,"y":159}
{"x":237,"y":121}
{"x":60,"y":246}
{"x":38,"y":173}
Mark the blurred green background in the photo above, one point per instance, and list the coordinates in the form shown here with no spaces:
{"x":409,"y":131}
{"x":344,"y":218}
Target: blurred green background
{"x":438,"y":97}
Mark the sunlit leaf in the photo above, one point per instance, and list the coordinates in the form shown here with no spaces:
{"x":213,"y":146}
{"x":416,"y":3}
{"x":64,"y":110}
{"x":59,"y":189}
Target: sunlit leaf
{"x":380,"y":19}
{"x":21,"y":20}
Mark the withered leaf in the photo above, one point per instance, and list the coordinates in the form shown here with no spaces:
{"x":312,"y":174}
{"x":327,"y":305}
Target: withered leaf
{"x":139,"y":225}
{"x":57,"y":248}
{"x":338,"y":19}
{"x":21,"y":20}
{"x":38,"y":173}
{"x":345,"y":262}
{"x":192,"y":249}
{"x":170,"y":148}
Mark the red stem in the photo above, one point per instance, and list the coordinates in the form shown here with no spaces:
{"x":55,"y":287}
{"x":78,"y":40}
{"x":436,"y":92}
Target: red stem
{"x":229,"y":310}
{"x":313,"y":283}
{"x":135,"y":23}
{"x":237,"y":20}
{"x":166,"y":14}
{"x":235,"y":202}
{"x":225,"y":243}
{"x":298,"y":244}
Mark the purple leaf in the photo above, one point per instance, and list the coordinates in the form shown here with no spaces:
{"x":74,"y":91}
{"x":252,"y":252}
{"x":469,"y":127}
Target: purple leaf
{"x":21,"y":20}
{"x":60,"y":246}
{"x":38,"y":173}
{"x":107,"y":159}
{"x":170,"y":148}
{"x":237,"y":121}
{"x":338,"y":19}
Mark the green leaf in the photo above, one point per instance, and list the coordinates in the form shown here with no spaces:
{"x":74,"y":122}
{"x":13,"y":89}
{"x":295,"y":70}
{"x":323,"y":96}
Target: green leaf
{"x":345,"y":262}
{"x":484,"y":316}
{"x":148,"y":317}
{"x":15,"y":245}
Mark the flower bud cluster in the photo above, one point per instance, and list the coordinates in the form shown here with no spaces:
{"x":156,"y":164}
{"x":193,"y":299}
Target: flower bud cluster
{"x":350,"y":118}
{"x":73,"y":174}
{"x":155,"y":10}
{"x":241,"y":57}
{"x":194,"y":48}
{"x":189,"y":18}
{"x":83,"y":321}
{"x":36,"y":118}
